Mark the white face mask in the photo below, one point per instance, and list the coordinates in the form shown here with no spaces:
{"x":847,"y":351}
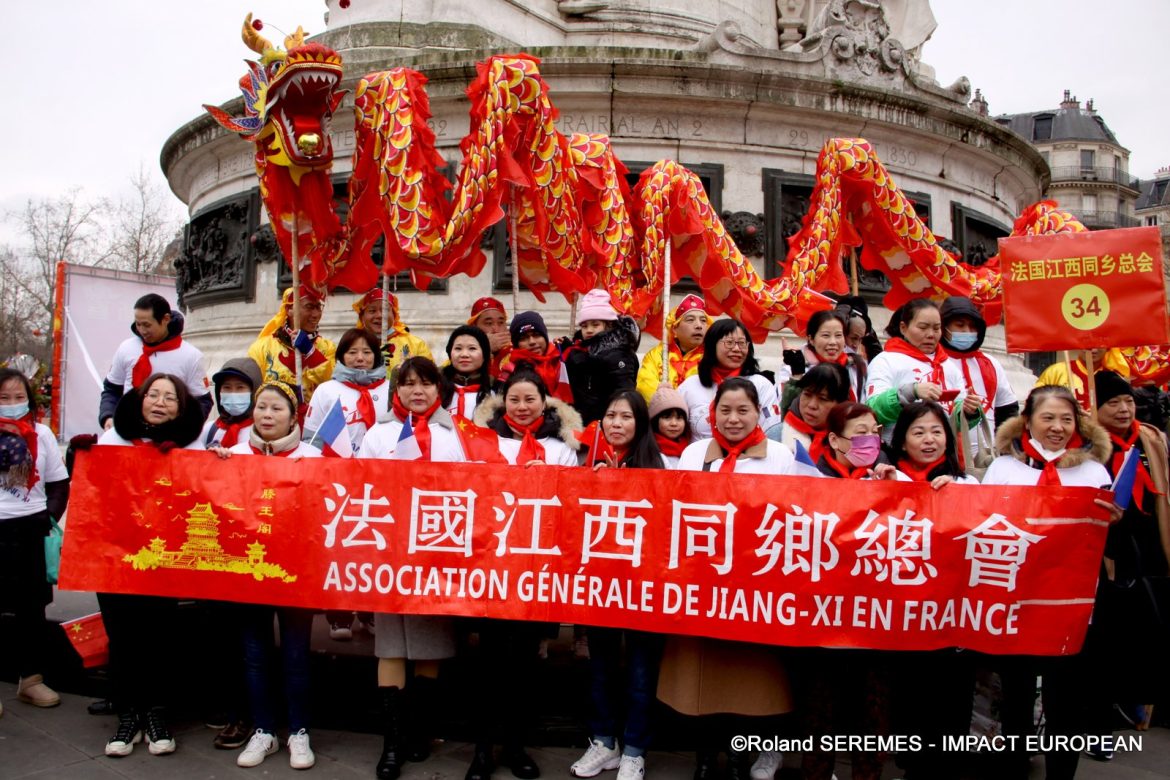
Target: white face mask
{"x":235,"y":404}
{"x":13,"y":411}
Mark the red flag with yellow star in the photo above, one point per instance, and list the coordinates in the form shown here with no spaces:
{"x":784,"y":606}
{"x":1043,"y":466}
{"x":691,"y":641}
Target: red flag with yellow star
{"x":88,"y":637}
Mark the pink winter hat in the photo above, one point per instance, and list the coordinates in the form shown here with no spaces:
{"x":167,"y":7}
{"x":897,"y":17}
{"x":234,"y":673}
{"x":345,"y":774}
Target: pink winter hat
{"x":594,"y":305}
{"x":664,"y":398}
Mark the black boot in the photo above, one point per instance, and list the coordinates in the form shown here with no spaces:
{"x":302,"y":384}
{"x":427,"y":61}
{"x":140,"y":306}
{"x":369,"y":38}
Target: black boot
{"x":420,"y":724}
{"x":739,"y":765}
{"x":523,"y":766}
{"x":706,"y":765}
{"x":390,"y":764}
{"x":482,"y":764}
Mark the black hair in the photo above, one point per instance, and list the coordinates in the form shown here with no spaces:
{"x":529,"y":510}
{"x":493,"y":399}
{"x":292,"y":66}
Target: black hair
{"x":913,"y":412}
{"x":686,"y":434}
{"x":738,"y":383}
{"x":906,"y":313}
{"x":709,"y":361}
{"x":842,"y":413}
{"x":828,"y":378}
{"x":181,"y":431}
{"x":425,"y":369}
{"x":482,"y":377}
{"x":158,"y":305}
{"x":8,"y":374}
{"x":1062,"y":392}
{"x":643,"y":452}
{"x":352,"y":336}
{"x":819,"y":318}
{"x":525,"y":375}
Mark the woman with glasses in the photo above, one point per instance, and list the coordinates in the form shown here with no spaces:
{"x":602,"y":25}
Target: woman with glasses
{"x":727,"y":352}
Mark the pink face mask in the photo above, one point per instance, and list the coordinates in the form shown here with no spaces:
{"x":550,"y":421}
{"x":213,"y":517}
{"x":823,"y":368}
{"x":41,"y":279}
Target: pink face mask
{"x":864,"y":450}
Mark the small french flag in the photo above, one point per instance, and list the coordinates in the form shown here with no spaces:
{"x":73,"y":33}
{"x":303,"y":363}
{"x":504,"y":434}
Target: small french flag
{"x":332,"y":436}
{"x":407,"y":448}
{"x":804,"y":462}
{"x":1123,"y":483}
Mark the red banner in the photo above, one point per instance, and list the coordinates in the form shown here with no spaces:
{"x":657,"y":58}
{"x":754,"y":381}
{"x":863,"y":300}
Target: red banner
{"x":1101,"y":288}
{"x":779,"y":560}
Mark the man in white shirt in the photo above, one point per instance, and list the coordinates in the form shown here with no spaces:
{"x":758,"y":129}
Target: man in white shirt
{"x":156,"y":347}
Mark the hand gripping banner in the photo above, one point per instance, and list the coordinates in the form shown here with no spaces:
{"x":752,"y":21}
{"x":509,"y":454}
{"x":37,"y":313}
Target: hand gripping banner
{"x":778,"y":560}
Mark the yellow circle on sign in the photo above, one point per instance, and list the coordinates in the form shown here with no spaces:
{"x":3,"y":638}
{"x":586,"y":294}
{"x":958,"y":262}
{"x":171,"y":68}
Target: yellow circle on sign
{"x":1085,"y":306}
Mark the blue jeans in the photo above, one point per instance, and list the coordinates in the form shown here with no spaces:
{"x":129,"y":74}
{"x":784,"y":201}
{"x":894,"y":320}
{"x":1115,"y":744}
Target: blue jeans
{"x":260,"y":664}
{"x":609,"y":691}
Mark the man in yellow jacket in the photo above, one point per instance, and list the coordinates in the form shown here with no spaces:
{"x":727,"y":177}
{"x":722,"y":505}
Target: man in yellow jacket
{"x":273,"y":349}
{"x":687,"y":325}
{"x":400,"y":344}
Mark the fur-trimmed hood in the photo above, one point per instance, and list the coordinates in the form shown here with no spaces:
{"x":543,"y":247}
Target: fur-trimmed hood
{"x":1098,"y":446}
{"x":560,"y":420}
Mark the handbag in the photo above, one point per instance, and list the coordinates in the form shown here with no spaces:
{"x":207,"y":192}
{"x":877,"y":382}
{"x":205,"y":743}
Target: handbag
{"x":53,"y":551}
{"x":977,"y":454}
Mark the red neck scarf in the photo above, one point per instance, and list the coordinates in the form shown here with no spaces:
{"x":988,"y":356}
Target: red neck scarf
{"x":917,"y":474}
{"x":461,"y":393}
{"x":735,"y":450}
{"x":844,"y":471}
{"x":719,"y":374}
{"x":986,"y":372}
{"x":231,"y":431}
{"x":1142,"y":480}
{"x":25,"y":428}
{"x":530,"y":448}
{"x":817,"y":439}
{"x":681,"y":364}
{"x":1049,"y":476}
{"x":420,"y":422}
{"x":669,"y":447}
{"x":142,"y":369}
{"x":547,"y":365}
{"x":365,"y":405}
{"x":902,"y":347}
{"x":842,"y":358}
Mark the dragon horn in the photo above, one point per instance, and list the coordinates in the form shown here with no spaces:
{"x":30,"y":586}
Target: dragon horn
{"x":253,"y":39}
{"x":296,"y":39}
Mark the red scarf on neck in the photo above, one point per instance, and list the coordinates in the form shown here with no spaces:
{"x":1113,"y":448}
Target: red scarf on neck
{"x":547,"y":365}
{"x":1049,"y":475}
{"x":817,"y":439}
{"x":231,"y":431}
{"x":842,"y":358}
{"x":986,"y":372}
{"x":25,"y":428}
{"x":1142,"y":480}
{"x":917,"y":474}
{"x":461,"y":392}
{"x":142,"y":369}
{"x":669,"y":447}
{"x":902,"y":347}
{"x":365,"y":405}
{"x":734,"y":450}
{"x":844,"y":471}
{"x":420,"y":422}
{"x":530,"y":448}
{"x":719,"y":374}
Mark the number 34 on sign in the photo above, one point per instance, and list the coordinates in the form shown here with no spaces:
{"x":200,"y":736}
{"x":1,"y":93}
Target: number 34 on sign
{"x":1077,"y":291}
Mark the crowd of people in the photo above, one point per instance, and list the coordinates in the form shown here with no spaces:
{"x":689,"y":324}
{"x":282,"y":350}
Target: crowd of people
{"x":927,"y":405}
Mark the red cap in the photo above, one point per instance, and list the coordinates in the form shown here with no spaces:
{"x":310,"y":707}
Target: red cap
{"x":690,"y":303}
{"x":374,"y":296}
{"x":485,"y":304}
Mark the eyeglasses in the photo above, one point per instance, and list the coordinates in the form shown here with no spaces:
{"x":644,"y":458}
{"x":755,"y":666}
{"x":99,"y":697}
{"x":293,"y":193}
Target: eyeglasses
{"x":169,"y":398}
{"x":729,"y":343}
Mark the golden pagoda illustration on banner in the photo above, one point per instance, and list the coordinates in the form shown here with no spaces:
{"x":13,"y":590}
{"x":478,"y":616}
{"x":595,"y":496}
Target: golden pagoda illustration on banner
{"x":202,"y":551}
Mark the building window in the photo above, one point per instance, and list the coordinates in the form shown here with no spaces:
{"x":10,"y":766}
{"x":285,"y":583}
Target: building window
{"x":1152,"y":220}
{"x":1042,"y":128}
{"x":975,"y":234}
{"x":1088,"y":160}
{"x":1089,"y":202}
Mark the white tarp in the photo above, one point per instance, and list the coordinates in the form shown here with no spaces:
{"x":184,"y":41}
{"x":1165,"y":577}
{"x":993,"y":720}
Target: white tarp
{"x":97,"y":317}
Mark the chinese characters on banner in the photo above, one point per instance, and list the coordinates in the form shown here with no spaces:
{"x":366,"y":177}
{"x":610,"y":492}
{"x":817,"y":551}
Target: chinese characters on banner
{"x":780,"y":560}
{"x":1077,"y":291}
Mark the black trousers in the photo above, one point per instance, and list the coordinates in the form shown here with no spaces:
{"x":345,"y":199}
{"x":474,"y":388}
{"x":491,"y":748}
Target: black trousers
{"x":143,"y":666}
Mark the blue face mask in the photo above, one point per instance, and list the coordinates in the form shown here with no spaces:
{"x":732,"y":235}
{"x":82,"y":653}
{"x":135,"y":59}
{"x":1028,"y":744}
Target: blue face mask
{"x":13,"y":411}
{"x":235,"y":404}
{"x":963,"y":342}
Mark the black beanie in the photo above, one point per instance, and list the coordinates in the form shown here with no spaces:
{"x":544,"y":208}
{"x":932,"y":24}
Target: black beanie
{"x":524,"y":322}
{"x":1110,"y":384}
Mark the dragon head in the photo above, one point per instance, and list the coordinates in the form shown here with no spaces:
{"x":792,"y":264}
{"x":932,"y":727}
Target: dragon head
{"x":289,"y":97}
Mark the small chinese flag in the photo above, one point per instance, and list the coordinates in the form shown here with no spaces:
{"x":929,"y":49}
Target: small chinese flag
{"x":88,"y":637}
{"x":595,"y":442}
{"x":479,"y":444}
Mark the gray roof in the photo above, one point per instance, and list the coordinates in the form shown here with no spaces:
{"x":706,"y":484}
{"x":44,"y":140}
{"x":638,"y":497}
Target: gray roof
{"x":1068,"y":124}
{"x":1154,"y":192}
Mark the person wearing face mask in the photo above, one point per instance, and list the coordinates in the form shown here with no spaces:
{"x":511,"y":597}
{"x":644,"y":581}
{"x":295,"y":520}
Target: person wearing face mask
{"x":400,"y":342}
{"x":854,"y":445}
{"x":34,"y":487}
{"x":914,"y":366}
{"x":806,"y":421}
{"x":686,"y":325}
{"x":1051,"y":443}
{"x":358,"y":382}
{"x":234,"y":386}
{"x":468,"y":372}
{"x":490,"y":316}
{"x":827,"y":344}
{"x":273,"y":350}
{"x":964,"y":330}
{"x":603,"y":357}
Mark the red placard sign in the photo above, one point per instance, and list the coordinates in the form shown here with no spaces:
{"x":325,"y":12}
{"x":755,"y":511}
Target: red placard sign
{"x":779,"y":560}
{"x":1101,"y":288}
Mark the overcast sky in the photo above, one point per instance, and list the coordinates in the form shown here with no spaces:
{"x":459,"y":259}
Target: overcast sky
{"x":93,"y":89}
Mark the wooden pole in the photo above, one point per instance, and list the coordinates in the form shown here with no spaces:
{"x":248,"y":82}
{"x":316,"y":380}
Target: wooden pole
{"x":573,"y":315}
{"x":666,"y":311}
{"x":296,"y":285}
{"x":1089,"y":380}
{"x":853,"y":273}
{"x":385,"y":309}
{"x":514,"y":243}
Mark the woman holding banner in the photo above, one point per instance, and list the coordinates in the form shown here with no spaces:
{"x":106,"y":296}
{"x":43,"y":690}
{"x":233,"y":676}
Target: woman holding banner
{"x":727,"y":352}
{"x":533,"y":427}
{"x":1051,"y":444}
{"x":417,"y":429}
{"x":159,"y":413}
{"x":358,"y":382}
{"x":741,"y":683}
{"x":275,"y":433}
{"x":234,"y":388}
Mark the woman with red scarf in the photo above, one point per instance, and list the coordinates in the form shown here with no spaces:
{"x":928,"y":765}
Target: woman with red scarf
{"x":409,"y":701}
{"x":234,"y":388}
{"x":162,"y":414}
{"x":827,"y":344}
{"x":819,"y":391}
{"x":468,"y":373}
{"x":734,"y":686}
{"x":359,"y":382}
{"x":914,"y":366}
{"x":533,"y":428}
{"x":1051,"y":443}
{"x":34,"y":487}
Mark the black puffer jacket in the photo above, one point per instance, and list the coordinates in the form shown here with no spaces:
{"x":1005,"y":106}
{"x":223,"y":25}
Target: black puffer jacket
{"x":600,"y":366}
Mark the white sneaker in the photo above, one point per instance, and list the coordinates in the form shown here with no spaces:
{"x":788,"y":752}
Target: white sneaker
{"x":339,"y":633}
{"x":632,"y":768}
{"x":259,"y":747}
{"x":300,"y":755}
{"x":596,"y":760}
{"x":767,"y":765}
